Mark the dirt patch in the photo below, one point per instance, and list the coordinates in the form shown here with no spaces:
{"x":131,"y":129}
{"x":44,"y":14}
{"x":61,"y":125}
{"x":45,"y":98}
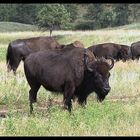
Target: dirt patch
{"x":45,"y":106}
{"x":123,"y":98}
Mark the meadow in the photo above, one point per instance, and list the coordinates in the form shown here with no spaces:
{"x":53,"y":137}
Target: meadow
{"x":117,"y":115}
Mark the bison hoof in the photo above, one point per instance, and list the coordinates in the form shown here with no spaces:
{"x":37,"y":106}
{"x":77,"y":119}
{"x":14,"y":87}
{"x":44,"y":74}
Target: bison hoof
{"x":65,"y":107}
{"x":33,"y":100}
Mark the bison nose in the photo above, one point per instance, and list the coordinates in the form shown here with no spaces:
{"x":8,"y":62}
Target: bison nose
{"x":107,"y":89}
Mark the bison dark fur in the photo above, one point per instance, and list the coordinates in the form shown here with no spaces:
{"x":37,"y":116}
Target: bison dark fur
{"x":135,"y":49}
{"x":19,"y":49}
{"x":72,"y":71}
{"x":116,"y":51}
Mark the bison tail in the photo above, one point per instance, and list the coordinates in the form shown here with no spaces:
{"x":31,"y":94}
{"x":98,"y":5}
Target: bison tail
{"x":132,"y":52}
{"x":9,"y":57}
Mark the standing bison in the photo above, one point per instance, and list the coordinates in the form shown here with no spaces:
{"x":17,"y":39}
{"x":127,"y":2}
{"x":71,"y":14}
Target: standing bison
{"x":73,"y":71}
{"x":19,"y":49}
{"x":116,"y":51}
{"x":135,"y":50}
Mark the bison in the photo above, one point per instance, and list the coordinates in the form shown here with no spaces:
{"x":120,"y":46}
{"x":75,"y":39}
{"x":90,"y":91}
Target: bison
{"x":19,"y":49}
{"x":72,"y":71}
{"x":135,"y":50}
{"x":116,"y":51}
{"x":74,"y":44}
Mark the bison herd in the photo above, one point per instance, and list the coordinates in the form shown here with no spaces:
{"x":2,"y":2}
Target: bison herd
{"x":70,"y":69}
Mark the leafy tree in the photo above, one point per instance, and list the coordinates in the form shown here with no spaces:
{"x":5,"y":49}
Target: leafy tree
{"x":25,"y":13}
{"x":135,"y":12}
{"x":73,"y":10}
{"x":122,"y":13}
{"x":53,"y":15}
{"x":93,"y":13}
{"x":7,"y":11}
{"x":107,"y":16}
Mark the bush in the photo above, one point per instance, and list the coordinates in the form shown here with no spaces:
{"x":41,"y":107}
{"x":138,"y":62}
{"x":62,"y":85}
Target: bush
{"x":87,"y":25}
{"x":69,"y":26}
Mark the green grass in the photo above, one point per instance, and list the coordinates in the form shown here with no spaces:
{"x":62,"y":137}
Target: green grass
{"x":133,"y":26}
{"x":16,"y":27}
{"x":117,"y":115}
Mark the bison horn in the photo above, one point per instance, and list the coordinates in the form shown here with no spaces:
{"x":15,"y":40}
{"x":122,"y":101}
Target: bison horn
{"x":112,"y":62}
{"x":89,"y":68}
{"x":89,"y":59}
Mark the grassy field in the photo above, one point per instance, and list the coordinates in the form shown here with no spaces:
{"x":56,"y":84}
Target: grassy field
{"x":16,"y":27}
{"x":117,"y":115}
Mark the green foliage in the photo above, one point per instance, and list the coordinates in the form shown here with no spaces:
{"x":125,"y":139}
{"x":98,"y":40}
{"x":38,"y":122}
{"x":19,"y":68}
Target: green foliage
{"x":25,"y":13}
{"x":53,"y":15}
{"x":101,"y":14}
{"x":7,"y":12}
{"x":73,"y":10}
{"x":134,"y":13}
{"x":94,"y":11}
{"x":106,"y":18}
{"x":85,"y":25}
{"x":68,"y":16}
{"x":122,"y":13}
{"x":109,"y":15}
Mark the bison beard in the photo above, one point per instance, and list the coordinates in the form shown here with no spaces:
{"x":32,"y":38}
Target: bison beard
{"x":74,"y":72}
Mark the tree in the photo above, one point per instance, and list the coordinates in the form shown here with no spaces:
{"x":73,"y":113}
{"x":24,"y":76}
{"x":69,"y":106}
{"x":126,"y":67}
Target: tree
{"x":53,"y":15}
{"x":73,"y":10}
{"x":135,"y":12}
{"x":107,"y":16}
{"x":25,"y":13}
{"x":122,"y":13}
{"x":94,"y":12}
{"x":7,"y":11}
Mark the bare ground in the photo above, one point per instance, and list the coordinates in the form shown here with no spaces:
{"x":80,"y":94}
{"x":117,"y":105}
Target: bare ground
{"x":42,"y":106}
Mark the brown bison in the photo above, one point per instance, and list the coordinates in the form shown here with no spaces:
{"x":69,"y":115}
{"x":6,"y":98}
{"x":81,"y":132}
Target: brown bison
{"x":73,"y":71}
{"x":135,"y":50}
{"x":74,"y":44}
{"x":116,"y":51}
{"x":19,"y":49}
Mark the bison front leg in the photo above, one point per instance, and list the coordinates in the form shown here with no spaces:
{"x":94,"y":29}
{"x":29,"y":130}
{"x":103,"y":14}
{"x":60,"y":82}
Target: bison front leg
{"x":33,"y":97}
{"x":68,"y":95}
{"x":82,"y":100}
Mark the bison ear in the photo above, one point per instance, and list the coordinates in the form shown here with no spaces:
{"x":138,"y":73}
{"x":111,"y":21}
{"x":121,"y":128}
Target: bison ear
{"x":112,"y":62}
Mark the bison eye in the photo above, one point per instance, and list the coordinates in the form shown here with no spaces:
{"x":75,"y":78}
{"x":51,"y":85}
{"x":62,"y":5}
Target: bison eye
{"x":96,"y":75}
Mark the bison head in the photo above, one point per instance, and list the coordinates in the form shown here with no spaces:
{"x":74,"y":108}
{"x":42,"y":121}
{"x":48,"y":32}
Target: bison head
{"x":99,"y":76}
{"x":124,"y":52}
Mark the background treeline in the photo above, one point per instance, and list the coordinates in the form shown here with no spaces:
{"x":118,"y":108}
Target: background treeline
{"x":71,"y":16}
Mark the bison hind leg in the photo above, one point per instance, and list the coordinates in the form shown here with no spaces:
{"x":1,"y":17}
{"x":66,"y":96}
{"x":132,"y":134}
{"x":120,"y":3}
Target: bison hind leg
{"x":68,"y":95}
